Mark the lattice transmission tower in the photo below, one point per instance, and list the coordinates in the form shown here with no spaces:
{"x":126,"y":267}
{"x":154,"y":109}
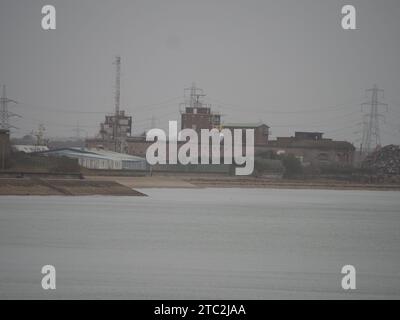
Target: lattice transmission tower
{"x":5,"y":115}
{"x":371,"y":138}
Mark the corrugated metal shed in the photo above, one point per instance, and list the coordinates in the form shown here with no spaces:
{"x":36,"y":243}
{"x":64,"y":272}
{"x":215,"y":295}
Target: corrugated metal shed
{"x":29,"y":148}
{"x":100,"y":159}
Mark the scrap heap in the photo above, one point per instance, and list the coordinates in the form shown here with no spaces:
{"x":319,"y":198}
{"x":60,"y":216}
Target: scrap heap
{"x":384,"y":161}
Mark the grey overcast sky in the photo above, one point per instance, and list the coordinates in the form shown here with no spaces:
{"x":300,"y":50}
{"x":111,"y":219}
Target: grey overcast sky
{"x":286,"y":63}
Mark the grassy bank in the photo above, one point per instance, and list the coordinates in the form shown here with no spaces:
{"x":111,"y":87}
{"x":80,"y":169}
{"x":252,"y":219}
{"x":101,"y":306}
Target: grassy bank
{"x":65,"y":187}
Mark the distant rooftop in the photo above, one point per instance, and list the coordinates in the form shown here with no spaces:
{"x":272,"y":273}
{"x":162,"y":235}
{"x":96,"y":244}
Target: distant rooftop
{"x":29,"y":148}
{"x":244,"y":125}
{"x":291,"y":142}
{"x":306,"y":135}
{"x":93,"y":153}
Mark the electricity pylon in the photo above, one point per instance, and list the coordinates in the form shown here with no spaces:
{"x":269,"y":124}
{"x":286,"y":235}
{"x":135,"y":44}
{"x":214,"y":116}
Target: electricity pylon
{"x":371,"y":134}
{"x":5,"y":115}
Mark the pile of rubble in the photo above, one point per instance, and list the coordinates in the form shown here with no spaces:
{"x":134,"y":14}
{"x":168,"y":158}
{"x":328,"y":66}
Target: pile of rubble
{"x":384,"y":161}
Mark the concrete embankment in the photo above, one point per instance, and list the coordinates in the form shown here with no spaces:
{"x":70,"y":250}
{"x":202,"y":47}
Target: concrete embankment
{"x":197,"y":181}
{"x":288,"y":184}
{"x":147,"y":182}
{"x":117,"y":185}
{"x":66,"y":187}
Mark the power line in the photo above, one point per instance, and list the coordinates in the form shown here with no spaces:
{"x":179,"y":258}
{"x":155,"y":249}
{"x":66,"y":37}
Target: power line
{"x":75,"y":111}
{"x":54,"y":123}
{"x":269,"y":111}
{"x":317,"y":124}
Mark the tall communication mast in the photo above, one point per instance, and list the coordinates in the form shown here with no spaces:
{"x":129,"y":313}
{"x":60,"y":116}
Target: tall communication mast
{"x":116,"y":131}
{"x":117,"y":125}
{"x":371,"y":134}
{"x":5,"y":115}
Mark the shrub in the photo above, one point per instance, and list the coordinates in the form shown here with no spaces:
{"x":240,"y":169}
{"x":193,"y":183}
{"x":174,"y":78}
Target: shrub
{"x":262,"y":165}
{"x":292,"y":165}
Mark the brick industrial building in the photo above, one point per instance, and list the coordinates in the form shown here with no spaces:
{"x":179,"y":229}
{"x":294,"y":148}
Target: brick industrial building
{"x":261,"y":131}
{"x":195,"y":114}
{"x":312,"y":149}
{"x":309,"y":147}
{"x":198,"y":115}
{"x":124,"y":125}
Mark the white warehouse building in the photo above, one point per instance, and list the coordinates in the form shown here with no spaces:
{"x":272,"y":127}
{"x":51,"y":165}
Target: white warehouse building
{"x":100,"y":159}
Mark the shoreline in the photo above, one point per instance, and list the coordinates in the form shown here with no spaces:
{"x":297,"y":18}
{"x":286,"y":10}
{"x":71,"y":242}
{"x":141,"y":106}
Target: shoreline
{"x":189,"y":182}
{"x":290,"y":184}
{"x":127,"y":186}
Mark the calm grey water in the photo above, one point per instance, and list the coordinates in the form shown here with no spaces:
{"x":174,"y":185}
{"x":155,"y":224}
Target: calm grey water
{"x":202,"y":244}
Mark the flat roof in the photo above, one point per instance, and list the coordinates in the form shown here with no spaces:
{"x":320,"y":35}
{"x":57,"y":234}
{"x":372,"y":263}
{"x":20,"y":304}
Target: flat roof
{"x":244,"y":125}
{"x":94,"y":153}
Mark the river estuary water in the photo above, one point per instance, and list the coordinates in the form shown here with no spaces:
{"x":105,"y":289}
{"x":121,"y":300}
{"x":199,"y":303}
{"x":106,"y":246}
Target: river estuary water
{"x":202,"y":244}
